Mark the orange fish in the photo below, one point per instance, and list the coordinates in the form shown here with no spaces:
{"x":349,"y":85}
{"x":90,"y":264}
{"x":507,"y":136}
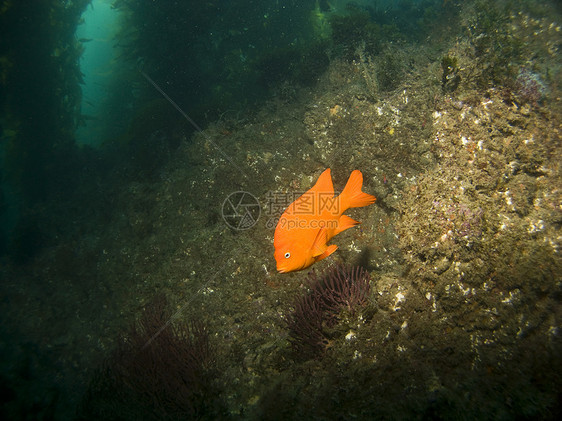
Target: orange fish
{"x":309,"y":223}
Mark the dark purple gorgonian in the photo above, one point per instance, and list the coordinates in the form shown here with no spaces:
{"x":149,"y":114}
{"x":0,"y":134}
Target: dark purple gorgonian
{"x":162,"y":368}
{"x":339,"y":288}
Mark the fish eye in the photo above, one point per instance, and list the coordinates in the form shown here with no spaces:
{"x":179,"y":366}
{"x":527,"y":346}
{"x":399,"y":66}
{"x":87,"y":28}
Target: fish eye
{"x":287,"y":255}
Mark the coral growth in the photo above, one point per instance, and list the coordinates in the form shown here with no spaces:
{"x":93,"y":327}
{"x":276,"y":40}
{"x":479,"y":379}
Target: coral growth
{"x":160,"y":371}
{"x":459,"y":220}
{"x":340,"y":288}
{"x":450,"y":79}
{"x":305,"y":326}
{"x":529,"y":86}
{"x":337,"y":290}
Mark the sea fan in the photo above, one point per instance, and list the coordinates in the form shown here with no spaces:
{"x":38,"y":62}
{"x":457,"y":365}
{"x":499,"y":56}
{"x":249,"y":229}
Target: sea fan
{"x":337,"y":289}
{"x":159,"y":371}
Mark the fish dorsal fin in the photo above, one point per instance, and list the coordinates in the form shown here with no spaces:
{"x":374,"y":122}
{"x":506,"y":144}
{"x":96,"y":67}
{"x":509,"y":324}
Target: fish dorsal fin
{"x":319,"y":244}
{"x":344,"y":223}
{"x":324,"y":183}
{"x":317,"y":196}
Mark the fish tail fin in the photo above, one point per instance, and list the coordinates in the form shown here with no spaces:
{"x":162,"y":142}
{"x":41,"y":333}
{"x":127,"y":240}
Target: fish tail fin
{"x":352,"y":196}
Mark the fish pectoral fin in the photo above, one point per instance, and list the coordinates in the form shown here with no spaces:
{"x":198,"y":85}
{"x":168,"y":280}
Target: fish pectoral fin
{"x":344,"y":223}
{"x":319,"y":245}
{"x":321,"y":250}
{"x":329,"y":250}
